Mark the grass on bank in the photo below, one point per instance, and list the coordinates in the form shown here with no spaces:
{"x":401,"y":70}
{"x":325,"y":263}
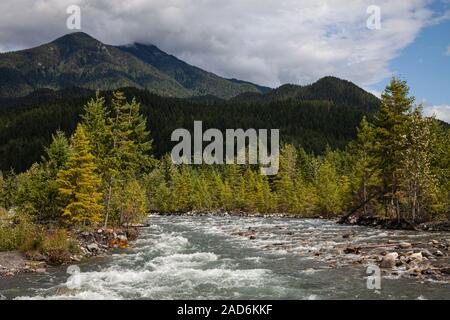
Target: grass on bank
{"x":18,"y":232}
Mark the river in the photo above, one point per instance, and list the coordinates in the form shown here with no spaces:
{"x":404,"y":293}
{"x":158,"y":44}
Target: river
{"x":182,"y":257}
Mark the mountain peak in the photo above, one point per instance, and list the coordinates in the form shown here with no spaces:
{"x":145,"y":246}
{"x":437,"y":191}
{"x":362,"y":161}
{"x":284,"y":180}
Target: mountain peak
{"x":76,"y":39}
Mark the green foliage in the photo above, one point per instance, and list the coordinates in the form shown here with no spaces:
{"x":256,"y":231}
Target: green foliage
{"x":15,"y":230}
{"x":38,"y":194}
{"x":131,"y":202}
{"x":8,"y":189}
{"x":79,"y":184}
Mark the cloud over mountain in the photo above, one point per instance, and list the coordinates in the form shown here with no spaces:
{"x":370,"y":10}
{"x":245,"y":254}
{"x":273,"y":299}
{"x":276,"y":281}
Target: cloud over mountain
{"x":265,"y":41}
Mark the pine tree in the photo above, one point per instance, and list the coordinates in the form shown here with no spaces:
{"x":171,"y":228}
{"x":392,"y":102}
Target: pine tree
{"x":364,"y":166}
{"x":95,"y":123}
{"x":57,"y":154}
{"x":306,"y":199}
{"x":120,"y":143}
{"x":79,"y":184}
{"x":331,"y":189}
{"x":284,"y":180}
{"x":182,"y":189}
{"x":391,"y":140}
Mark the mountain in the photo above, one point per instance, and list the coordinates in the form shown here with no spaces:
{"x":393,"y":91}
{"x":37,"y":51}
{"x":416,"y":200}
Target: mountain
{"x":198,"y":81}
{"x":27,"y":123}
{"x":78,"y":60}
{"x":338,"y":91}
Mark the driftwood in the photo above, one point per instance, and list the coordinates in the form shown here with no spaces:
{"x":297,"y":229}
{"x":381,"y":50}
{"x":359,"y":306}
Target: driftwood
{"x":344,"y":218}
{"x":136,"y":225}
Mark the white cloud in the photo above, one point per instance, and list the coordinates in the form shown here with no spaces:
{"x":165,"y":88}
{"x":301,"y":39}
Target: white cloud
{"x":265,"y":41}
{"x":448,"y":50}
{"x":442,"y":112}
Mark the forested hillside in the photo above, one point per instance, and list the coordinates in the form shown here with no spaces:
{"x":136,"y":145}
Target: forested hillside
{"x":26,"y":124}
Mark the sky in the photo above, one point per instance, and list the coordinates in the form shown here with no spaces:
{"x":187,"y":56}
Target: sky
{"x":266,"y":41}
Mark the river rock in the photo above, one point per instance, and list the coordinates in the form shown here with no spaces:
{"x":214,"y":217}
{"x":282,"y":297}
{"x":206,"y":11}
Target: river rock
{"x":438,"y":253}
{"x":122,"y":237}
{"x":445,"y":270}
{"x":40,"y":270}
{"x":354,"y":250}
{"x":404,"y":245}
{"x":92,"y":247}
{"x":135,"y":225}
{"x":389,"y":260}
{"x":416,"y":256}
{"x":427,"y":254}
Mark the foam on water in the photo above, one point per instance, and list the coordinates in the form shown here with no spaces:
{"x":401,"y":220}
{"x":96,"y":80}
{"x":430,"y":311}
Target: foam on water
{"x":206,"y":258}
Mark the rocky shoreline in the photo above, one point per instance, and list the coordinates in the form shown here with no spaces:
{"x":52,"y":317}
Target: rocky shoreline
{"x":90,"y":244}
{"x":394,"y":224}
{"x":374,"y":222}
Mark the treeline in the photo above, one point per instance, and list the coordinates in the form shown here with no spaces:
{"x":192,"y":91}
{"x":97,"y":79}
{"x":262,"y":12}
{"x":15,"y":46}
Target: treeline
{"x":27,"y":125}
{"x":398,"y":167}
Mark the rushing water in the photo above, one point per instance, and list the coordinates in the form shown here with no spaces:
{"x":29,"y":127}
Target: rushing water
{"x":204,"y":258}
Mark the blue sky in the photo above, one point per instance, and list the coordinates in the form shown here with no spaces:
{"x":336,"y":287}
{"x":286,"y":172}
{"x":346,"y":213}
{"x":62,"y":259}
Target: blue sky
{"x":425,"y":64}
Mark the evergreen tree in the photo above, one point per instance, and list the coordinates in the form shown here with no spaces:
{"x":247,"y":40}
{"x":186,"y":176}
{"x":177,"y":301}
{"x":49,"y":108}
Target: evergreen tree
{"x":129,"y":146}
{"x":57,"y":154}
{"x":364,"y":165}
{"x":390,"y":141}
{"x":284,"y":180}
{"x":95,"y":123}
{"x":182,"y":189}
{"x":331,"y":189}
{"x":79,"y":184}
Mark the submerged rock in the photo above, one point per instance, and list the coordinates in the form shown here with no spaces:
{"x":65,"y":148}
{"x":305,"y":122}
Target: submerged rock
{"x":404,"y":245}
{"x":93,"y":247}
{"x":389,"y":260}
{"x":354,"y":250}
{"x":417,"y":256}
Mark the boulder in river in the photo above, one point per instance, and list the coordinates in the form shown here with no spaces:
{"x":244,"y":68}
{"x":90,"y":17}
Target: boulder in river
{"x":353,"y":250}
{"x":93,"y":247}
{"x":389,"y":260}
{"x":416,"y":256}
{"x":404,"y":245}
{"x":438,"y":253}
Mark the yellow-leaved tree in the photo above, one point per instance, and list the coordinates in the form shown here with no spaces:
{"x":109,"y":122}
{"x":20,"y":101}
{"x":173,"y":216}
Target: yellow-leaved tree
{"x":79,"y":183}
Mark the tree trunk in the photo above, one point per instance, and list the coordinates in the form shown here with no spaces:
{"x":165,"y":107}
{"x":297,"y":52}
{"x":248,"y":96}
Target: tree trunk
{"x":108,"y":201}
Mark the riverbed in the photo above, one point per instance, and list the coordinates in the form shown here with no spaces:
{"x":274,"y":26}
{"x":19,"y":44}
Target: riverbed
{"x":210,"y":257}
